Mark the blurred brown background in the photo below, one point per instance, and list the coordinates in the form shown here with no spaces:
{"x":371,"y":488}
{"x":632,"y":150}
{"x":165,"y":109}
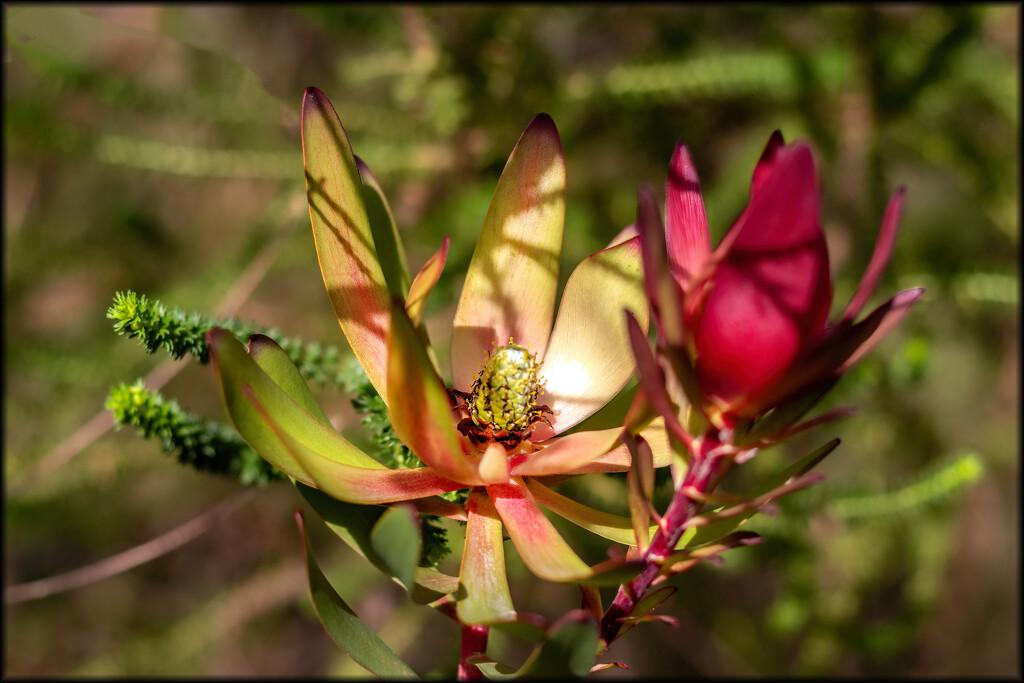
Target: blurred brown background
{"x":156,"y":148}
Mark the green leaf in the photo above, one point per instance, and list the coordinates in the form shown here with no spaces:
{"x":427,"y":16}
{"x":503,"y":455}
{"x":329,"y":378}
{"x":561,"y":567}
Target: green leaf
{"x":398,"y":541}
{"x":345,"y":247}
{"x":385,"y":233}
{"x":483,"y":596}
{"x":347,"y":629}
{"x":354,"y":524}
{"x":237,"y":370}
{"x":512,"y":280}
{"x":273,"y":360}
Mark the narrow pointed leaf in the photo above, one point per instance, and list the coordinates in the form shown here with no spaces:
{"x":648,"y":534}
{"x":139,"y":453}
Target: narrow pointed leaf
{"x":347,"y":629}
{"x":424,"y":283}
{"x":652,"y":381}
{"x":566,"y":454}
{"x":588,"y":360}
{"x":356,"y":484}
{"x":542,"y":548}
{"x":344,"y":240}
{"x":647,"y":604}
{"x":421,"y":413}
{"x":618,"y":459}
{"x":613,"y":527}
{"x":686,"y":221}
{"x":512,"y":279}
{"x":483,"y":596}
{"x":273,"y":360}
{"x":390,"y":251}
{"x":678,"y":562}
{"x":240,"y":375}
{"x":661,"y":287}
{"x":398,"y":540}
{"x":712,"y":525}
{"x":879,"y":257}
{"x":640,"y":485}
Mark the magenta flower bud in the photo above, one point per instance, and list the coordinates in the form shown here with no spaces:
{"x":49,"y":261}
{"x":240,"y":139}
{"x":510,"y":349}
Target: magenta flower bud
{"x":753,"y":313}
{"x":769,"y":295}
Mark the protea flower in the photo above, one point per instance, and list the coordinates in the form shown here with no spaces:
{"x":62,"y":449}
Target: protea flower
{"x":519,"y":382}
{"x":749,"y":319}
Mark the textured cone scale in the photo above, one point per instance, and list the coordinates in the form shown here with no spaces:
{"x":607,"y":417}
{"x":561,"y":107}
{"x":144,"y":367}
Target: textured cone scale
{"x":504,"y":394}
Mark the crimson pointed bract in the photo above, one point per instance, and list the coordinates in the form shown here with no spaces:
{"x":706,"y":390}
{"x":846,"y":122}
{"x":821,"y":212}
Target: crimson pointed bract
{"x":756,"y":308}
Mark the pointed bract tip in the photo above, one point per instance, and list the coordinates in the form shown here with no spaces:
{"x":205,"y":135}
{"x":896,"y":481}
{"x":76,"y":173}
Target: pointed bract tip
{"x":908,"y":297}
{"x":544,"y":124}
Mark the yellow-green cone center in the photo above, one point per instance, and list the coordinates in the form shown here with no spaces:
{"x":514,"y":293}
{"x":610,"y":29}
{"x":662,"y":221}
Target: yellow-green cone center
{"x":504,"y":394}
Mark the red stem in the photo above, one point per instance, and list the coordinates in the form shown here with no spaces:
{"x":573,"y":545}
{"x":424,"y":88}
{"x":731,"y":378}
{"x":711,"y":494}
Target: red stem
{"x":474,"y":641}
{"x":703,"y":468}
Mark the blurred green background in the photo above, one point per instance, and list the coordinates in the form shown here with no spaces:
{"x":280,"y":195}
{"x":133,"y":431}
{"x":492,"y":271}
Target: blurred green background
{"x":157,"y":149}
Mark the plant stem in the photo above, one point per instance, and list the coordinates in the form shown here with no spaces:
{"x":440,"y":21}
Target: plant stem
{"x":704,"y":465}
{"x":474,"y":641}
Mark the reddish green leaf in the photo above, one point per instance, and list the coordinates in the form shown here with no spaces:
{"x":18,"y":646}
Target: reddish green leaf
{"x":421,"y":413}
{"x":483,"y":596}
{"x":510,"y":287}
{"x":344,"y":240}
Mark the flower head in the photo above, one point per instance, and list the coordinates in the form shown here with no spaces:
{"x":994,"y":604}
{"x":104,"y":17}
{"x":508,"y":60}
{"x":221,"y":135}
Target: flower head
{"x":521,"y":376}
{"x":748,"y":320}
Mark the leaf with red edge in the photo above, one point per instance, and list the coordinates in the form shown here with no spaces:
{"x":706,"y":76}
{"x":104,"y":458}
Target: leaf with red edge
{"x":640,"y":485}
{"x":565,"y":454}
{"x":344,"y":240}
{"x":681,"y":561}
{"x":540,"y":546}
{"x":274,"y":361}
{"x":663,"y":291}
{"x":421,"y":412}
{"x":424,"y":283}
{"x":512,"y":279}
{"x":390,"y":251}
{"x":879,"y":257}
{"x":483,"y":596}
{"x":356,"y":484}
{"x":587,"y":362}
{"x":686,"y":222}
{"x":240,"y":376}
{"x":715,"y":524}
{"x":652,"y":382}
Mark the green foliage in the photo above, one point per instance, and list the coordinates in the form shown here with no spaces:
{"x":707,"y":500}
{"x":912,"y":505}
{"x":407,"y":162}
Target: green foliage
{"x":203,"y":444}
{"x":215,"y":447}
{"x":396,"y":538}
{"x":182,"y":334}
{"x":347,"y":629}
{"x":929,"y":488}
{"x":179,"y":334}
